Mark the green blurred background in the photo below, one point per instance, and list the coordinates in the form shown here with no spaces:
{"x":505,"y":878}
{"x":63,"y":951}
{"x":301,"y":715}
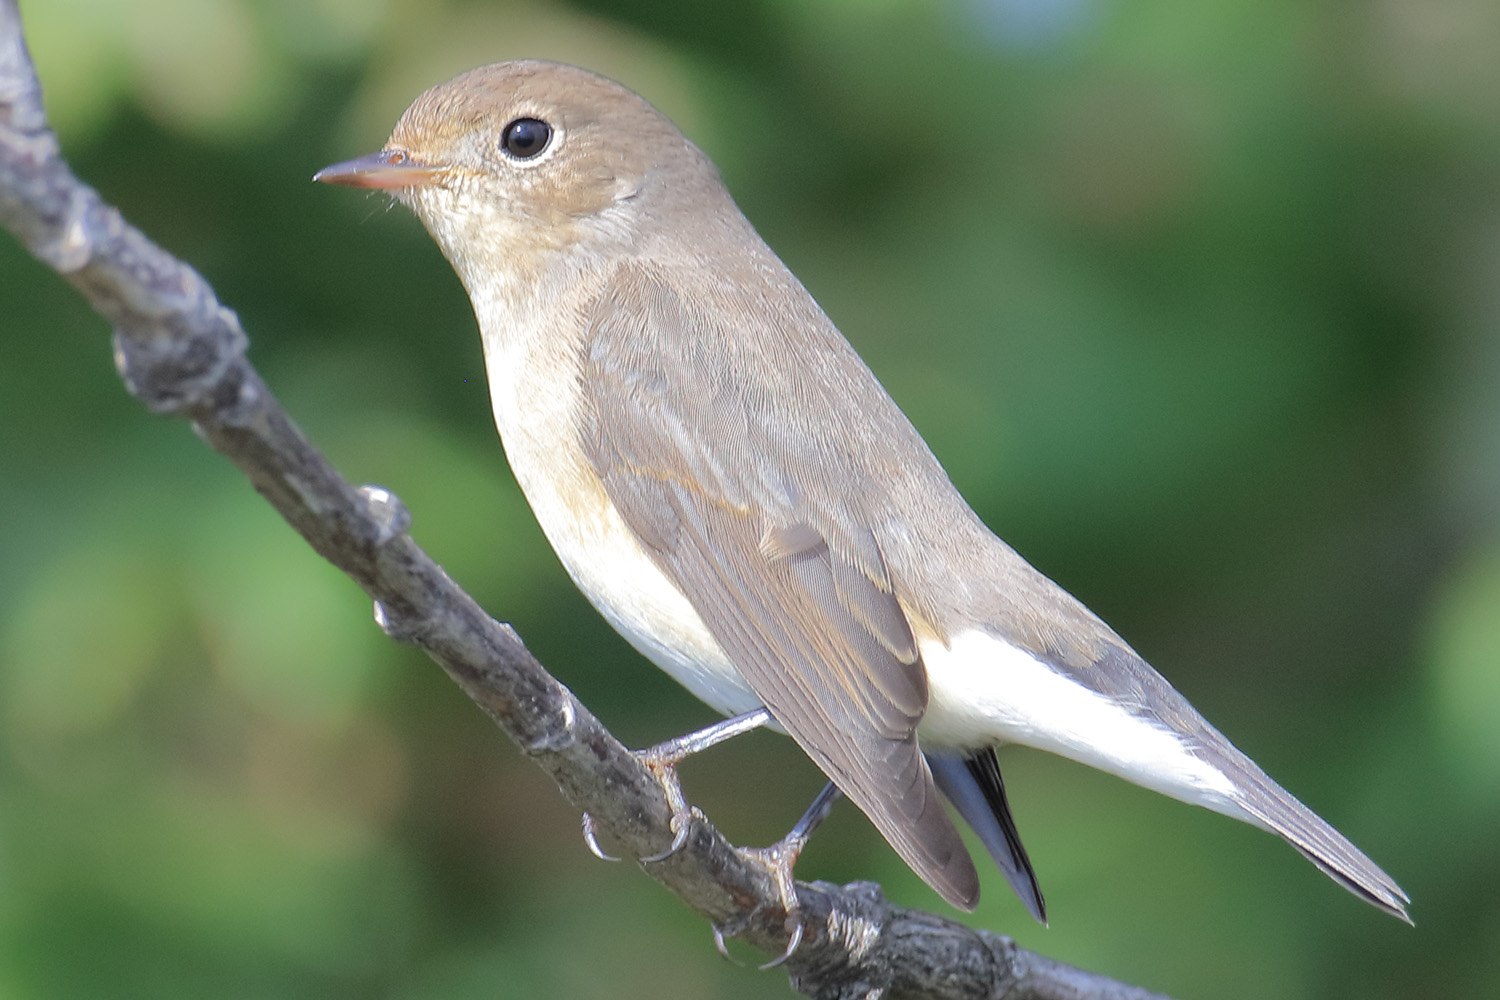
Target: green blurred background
{"x":1199,"y":304}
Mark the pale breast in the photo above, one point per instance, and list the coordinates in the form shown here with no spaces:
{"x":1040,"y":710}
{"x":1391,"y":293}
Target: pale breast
{"x":535,"y":396}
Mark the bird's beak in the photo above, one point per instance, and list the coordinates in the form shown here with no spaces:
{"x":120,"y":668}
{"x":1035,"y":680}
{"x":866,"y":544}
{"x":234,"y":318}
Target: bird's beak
{"x":387,"y":170}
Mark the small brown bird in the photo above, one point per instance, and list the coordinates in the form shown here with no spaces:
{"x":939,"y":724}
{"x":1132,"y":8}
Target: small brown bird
{"x":731,"y":487}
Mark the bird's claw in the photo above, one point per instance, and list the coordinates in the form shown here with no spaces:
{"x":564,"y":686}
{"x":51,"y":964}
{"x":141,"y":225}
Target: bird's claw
{"x":681,"y":826}
{"x":591,"y":840}
{"x":791,"y":947}
{"x":780,"y":858}
{"x":662,"y":760}
{"x":665,"y":769}
{"x":682,"y":814}
{"x":723,"y":949}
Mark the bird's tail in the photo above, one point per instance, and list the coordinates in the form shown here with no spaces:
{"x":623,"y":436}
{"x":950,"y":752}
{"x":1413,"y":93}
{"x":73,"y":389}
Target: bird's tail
{"x":1122,"y":717}
{"x":1247,"y":793}
{"x":1269,"y":806}
{"x":973,"y":784}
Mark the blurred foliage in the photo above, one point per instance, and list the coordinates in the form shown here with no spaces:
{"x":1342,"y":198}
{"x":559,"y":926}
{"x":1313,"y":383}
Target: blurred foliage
{"x":1199,"y":305}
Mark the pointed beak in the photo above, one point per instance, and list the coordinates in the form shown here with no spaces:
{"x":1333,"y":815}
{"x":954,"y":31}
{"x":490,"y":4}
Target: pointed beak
{"x":387,"y":170}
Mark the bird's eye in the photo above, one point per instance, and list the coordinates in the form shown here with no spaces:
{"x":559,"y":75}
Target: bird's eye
{"x":525,"y":138}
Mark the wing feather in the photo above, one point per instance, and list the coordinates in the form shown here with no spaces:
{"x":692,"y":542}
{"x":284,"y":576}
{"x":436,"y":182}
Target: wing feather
{"x":798,"y":598}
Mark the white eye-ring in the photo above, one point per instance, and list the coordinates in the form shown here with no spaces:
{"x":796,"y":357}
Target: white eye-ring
{"x":526,"y":141}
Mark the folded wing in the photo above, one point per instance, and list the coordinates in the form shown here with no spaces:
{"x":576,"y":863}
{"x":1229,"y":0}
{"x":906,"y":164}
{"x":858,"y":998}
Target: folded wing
{"x":798,"y":598}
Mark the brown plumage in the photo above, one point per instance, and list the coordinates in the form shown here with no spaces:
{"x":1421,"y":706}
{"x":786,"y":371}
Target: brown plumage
{"x":732,"y":488}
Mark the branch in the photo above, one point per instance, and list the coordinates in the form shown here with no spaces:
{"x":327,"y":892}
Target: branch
{"x":182,"y":353}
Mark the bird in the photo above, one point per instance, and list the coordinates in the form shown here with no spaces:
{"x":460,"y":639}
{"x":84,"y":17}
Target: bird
{"x":733,"y":490}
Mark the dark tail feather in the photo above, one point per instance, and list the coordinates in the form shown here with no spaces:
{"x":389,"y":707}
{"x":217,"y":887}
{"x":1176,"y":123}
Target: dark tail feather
{"x":974,"y":786}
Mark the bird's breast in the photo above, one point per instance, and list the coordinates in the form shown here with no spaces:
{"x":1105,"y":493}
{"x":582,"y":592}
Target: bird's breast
{"x":537,"y":399}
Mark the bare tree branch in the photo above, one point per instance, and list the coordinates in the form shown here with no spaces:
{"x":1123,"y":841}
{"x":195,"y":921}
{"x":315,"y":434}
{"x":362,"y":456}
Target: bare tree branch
{"x":180,"y":352}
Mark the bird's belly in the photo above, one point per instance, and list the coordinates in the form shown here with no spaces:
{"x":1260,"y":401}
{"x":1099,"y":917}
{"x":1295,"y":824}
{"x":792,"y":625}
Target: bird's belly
{"x":535,"y":413}
{"x":636,"y":598}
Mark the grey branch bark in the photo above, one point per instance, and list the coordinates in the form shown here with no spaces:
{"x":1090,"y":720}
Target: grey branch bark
{"x":180,"y":352}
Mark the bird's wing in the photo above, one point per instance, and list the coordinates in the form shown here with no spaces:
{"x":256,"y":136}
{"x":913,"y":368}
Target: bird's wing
{"x":798,"y":598}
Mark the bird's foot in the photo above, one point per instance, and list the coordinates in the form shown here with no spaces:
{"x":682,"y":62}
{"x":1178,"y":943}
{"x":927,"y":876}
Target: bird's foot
{"x":662,"y":760}
{"x":779,"y":859}
{"x":663,"y":764}
{"x":665,"y":772}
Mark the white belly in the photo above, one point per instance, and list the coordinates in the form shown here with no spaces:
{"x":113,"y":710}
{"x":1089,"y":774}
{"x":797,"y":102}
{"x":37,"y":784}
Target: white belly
{"x":535,"y":411}
{"x":637,"y":599}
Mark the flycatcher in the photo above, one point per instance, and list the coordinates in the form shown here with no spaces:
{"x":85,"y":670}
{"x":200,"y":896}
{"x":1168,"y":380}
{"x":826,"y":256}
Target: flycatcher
{"x":732,"y":489}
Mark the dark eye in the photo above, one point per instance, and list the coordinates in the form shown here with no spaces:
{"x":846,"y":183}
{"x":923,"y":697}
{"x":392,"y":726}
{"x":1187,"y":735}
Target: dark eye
{"x":525,"y":138}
